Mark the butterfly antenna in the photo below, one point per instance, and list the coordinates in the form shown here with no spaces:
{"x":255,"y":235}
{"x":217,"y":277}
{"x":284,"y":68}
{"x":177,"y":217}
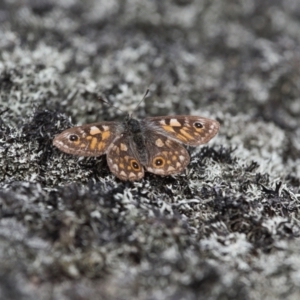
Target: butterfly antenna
{"x":144,"y":97}
{"x":100,"y":98}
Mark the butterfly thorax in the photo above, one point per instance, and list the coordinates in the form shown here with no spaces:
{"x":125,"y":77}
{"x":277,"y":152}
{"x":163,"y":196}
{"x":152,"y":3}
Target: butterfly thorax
{"x":134,"y":129}
{"x":133,"y":125}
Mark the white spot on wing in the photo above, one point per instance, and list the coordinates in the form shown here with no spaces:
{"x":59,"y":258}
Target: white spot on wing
{"x":181,"y":158}
{"x":175,"y":123}
{"x":82,"y":132}
{"x":159,"y":143}
{"x":94,"y":130}
{"x":123,"y":147}
{"x":122,"y":173}
{"x":131,"y":175}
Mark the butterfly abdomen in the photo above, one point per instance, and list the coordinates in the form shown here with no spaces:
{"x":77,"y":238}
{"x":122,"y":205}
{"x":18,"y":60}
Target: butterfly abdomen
{"x":140,"y":144}
{"x":135,"y":129}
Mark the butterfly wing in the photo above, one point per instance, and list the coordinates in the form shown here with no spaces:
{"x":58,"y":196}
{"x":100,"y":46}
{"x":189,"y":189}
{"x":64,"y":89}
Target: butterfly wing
{"x":122,"y":160}
{"x":165,"y":156}
{"x":189,"y":130}
{"x":88,"y":140}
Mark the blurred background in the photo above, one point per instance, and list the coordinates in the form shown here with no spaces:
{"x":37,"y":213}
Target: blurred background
{"x":237,"y":61}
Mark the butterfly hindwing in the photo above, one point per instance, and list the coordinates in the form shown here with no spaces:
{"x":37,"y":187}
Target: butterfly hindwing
{"x":122,"y":160}
{"x":166,"y":155}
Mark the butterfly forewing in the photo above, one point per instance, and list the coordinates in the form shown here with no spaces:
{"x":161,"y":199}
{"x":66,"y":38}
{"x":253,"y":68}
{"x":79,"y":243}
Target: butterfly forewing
{"x":189,"y":130}
{"x":122,"y":160}
{"x":88,"y":140}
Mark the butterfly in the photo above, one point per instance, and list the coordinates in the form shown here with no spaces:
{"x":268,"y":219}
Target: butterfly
{"x":131,"y":146}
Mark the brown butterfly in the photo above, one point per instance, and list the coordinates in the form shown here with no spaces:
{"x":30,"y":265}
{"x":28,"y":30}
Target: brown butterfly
{"x":152,"y":143}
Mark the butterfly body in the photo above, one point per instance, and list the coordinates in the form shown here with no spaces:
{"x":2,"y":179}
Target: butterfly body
{"x":153,"y":143}
{"x":136,"y":135}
